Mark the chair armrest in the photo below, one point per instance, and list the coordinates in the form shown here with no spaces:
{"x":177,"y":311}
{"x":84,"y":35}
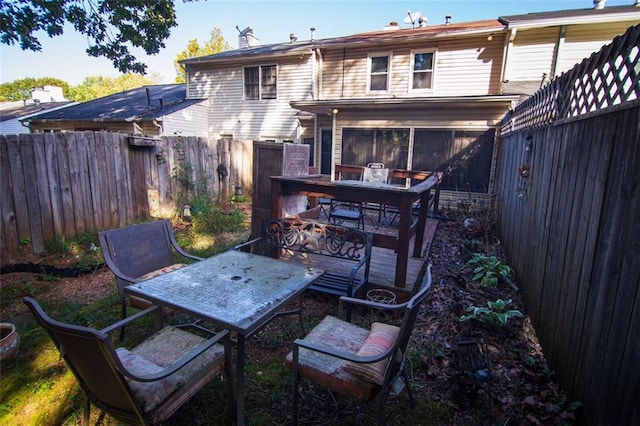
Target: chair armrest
{"x":116,"y":271}
{"x":187,"y":255}
{"x":348,"y":356}
{"x":247,"y":243}
{"x":357,"y":266}
{"x":180,"y":362}
{"x":129,"y":319}
{"x":368,"y":303}
{"x":177,"y":247}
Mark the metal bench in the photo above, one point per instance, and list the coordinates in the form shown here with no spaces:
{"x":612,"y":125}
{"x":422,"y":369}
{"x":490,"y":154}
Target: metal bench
{"x":309,"y":242}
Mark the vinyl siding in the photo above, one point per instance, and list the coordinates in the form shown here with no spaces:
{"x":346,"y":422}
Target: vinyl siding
{"x":12,"y":127}
{"x":583,"y":40}
{"x":230,"y":114}
{"x":463,"y":66}
{"x":190,"y":121}
{"x":531,"y":54}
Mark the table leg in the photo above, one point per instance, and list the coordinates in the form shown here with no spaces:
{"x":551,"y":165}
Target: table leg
{"x":240,"y":379}
{"x":402,"y":249}
{"x":422,"y":221}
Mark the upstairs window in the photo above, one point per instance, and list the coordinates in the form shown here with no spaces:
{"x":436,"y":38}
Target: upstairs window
{"x":260,"y":82}
{"x":378,"y":73}
{"x":422,"y":70}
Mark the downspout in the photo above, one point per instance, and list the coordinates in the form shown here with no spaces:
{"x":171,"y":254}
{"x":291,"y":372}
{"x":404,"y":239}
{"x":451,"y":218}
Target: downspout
{"x":159,"y":126}
{"x":508,"y":44}
{"x":344,"y":54}
{"x":319,"y":64}
{"x":559,"y":46}
{"x":334,"y":114}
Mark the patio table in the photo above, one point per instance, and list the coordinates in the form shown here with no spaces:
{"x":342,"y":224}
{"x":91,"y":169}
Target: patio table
{"x":236,"y":290}
{"x":316,"y":186}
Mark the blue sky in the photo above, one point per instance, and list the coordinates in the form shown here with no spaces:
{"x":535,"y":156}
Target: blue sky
{"x":272,"y":21}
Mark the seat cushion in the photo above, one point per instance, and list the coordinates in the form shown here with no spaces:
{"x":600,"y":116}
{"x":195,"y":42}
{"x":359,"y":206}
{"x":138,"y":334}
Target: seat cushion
{"x":148,"y":394}
{"x":382,"y":338}
{"x":162,"y":271}
{"x":327,"y":370}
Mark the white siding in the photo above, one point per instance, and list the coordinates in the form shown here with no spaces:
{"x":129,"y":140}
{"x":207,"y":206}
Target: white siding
{"x":250,"y":120}
{"x":583,"y":40}
{"x":190,"y":121}
{"x":531,"y":54}
{"x":463,"y":66}
{"x":12,"y":127}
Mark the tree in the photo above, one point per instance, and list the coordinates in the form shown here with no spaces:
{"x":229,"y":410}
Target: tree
{"x":112,"y":27}
{"x":98,"y":86}
{"x":215,"y":44}
{"x":18,"y":90}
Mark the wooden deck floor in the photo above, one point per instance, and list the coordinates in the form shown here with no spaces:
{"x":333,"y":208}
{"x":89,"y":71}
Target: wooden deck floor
{"x":383,"y":261}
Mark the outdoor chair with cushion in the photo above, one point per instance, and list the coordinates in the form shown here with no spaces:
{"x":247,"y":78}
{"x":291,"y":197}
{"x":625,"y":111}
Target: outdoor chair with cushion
{"x":359,"y":362}
{"x":139,"y":252}
{"x":145,"y":384}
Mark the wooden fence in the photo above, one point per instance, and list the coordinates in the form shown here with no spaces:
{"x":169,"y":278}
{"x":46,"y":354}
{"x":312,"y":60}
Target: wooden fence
{"x":58,"y":185}
{"x":568,"y":193}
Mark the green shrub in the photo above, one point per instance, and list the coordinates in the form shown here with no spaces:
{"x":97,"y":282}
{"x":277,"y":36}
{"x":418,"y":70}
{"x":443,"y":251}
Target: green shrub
{"x":488,"y":269}
{"x":214,"y":221}
{"x":494,"y":314}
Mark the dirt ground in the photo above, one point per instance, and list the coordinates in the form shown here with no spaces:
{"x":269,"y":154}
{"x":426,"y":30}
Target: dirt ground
{"x":521,"y":391}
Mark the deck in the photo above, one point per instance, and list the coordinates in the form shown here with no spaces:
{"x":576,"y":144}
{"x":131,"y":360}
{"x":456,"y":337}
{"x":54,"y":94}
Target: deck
{"x":382,"y":274}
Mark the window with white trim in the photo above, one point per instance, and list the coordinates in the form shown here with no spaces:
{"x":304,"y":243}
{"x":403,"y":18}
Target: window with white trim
{"x":260,"y":82}
{"x":421,"y":77}
{"x":379,"y":72}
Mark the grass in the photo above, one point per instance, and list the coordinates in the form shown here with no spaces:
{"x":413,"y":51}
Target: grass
{"x":38,"y":389}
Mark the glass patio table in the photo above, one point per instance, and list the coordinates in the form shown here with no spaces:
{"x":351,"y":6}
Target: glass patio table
{"x":238,"y":291}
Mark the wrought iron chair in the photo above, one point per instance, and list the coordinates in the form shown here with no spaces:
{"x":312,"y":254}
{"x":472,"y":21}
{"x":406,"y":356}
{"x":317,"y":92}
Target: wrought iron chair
{"x":139,"y":252}
{"x":361,"y":363}
{"x":341,"y":211}
{"x":143,"y":385}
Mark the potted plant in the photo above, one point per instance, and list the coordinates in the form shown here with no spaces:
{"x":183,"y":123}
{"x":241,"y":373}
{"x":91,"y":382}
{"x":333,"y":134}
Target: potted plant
{"x":9,"y":340}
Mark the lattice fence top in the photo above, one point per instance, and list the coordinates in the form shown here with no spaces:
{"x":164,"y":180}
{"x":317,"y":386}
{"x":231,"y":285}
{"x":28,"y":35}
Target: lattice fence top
{"x":607,"y":78}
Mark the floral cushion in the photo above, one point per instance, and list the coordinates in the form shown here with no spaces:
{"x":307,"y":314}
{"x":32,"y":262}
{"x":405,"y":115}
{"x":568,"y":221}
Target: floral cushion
{"x":161,"y":271}
{"x":148,"y":394}
{"x":381,"y":338}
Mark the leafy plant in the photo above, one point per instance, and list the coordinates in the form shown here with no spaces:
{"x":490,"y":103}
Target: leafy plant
{"x":494,"y":314}
{"x":488,"y":269}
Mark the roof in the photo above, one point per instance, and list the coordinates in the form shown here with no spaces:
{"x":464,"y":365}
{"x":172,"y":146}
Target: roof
{"x":459,"y":29}
{"x":373,"y":38}
{"x":143,"y":103}
{"x":574,"y":16}
{"x":415,"y":103}
{"x":17,"y":109}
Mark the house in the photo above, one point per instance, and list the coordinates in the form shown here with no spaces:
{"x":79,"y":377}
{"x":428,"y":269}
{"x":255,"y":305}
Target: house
{"x":146,"y":111}
{"x":425,"y":98}
{"x":47,"y":98}
{"x":11,"y":114}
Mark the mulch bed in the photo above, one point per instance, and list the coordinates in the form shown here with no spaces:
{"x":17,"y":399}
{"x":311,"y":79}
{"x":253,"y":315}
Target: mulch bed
{"x":521,"y":391}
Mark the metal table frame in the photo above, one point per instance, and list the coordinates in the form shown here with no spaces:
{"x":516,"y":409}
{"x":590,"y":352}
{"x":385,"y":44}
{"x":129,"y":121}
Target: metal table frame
{"x":239,"y":291}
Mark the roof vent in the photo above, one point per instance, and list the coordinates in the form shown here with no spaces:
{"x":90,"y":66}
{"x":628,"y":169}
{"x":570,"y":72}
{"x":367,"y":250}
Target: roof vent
{"x":392,"y":26}
{"x":447,"y":20}
{"x":293,"y":38}
{"x":598,"y":4}
{"x":313,"y":31}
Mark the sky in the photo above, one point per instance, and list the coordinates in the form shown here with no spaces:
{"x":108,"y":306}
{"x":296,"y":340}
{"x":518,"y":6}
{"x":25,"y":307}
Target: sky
{"x":272,"y":21}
